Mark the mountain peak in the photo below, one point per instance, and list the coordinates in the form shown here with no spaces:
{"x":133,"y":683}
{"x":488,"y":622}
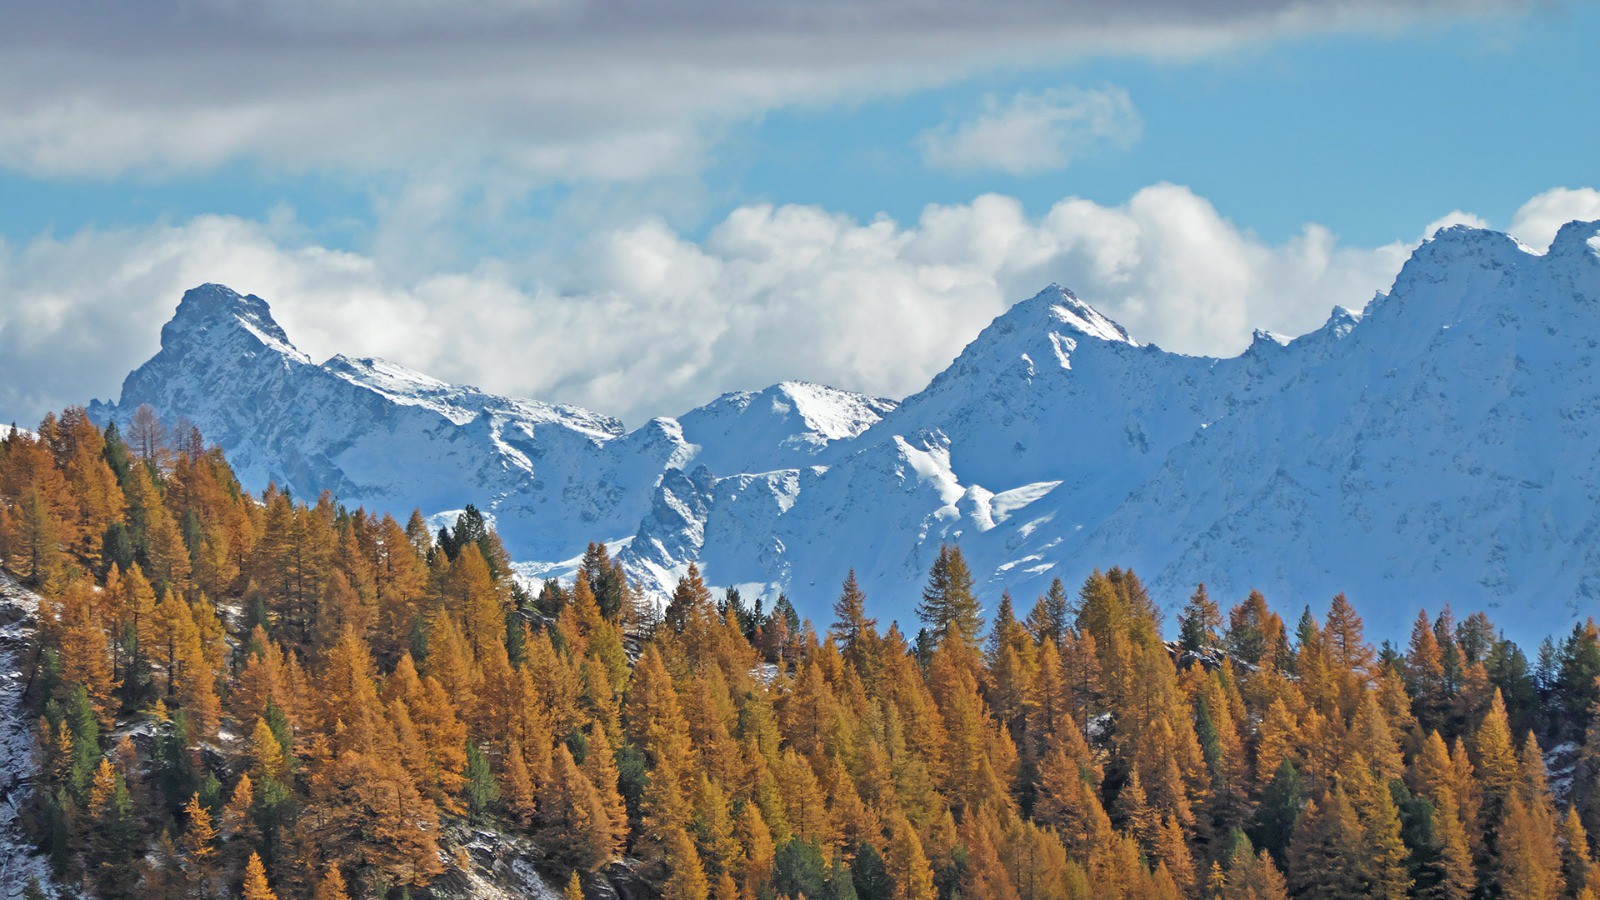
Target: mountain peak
{"x":1264,"y":337}
{"x":1048,"y":444}
{"x":785,"y":425}
{"x":1341,"y":321}
{"x":212,"y":310}
{"x":1577,"y":238}
{"x":1066,"y":309}
{"x":1461,"y":242}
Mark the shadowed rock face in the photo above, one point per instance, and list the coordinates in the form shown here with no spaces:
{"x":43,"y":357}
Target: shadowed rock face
{"x":1436,"y":447}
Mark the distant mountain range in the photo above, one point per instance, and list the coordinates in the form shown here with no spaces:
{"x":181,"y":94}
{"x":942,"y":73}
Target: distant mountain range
{"x":1441,"y":446}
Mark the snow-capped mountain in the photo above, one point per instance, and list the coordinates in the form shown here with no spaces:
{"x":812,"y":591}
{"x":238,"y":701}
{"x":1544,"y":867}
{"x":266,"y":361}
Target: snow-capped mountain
{"x":1437,"y":447}
{"x":378,"y":434}
{"x":1445,"y":452}
{"x":787,"y":425}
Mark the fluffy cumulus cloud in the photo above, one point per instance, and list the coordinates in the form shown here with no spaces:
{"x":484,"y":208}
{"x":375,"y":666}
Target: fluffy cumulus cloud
{"x":1537,"y":222}
{"x":1033,"y":132}
{"x":538,"y":88}
{"x":1453,"y":218}
{"x":643,"y":321}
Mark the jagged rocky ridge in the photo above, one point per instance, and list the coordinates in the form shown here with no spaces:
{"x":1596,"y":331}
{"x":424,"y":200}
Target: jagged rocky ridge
{"x":1437,"y":447}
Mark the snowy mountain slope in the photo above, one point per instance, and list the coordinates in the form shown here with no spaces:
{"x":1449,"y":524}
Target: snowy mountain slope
{"x":460,"y":404}
{"x":378,"y":434}
{"x":761,"y":442}
{"x":1051,"y":400}
{"x":1051,"y":392}
{"x":1437,"y":447}
{"x":787,"y":425}
{"x":1445,"y":454}
{"x":1053,"y":386}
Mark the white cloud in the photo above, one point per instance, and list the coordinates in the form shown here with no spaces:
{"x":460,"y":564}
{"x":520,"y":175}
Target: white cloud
{"x":644,"y":321}
{"x":1537,"y":221}
{"x":1452,"y":218}
{"x":1031,"y":133}
{"x":538,"y":88}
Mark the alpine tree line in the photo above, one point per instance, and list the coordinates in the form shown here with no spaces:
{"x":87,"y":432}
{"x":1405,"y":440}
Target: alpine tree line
{"x":242,"y":695}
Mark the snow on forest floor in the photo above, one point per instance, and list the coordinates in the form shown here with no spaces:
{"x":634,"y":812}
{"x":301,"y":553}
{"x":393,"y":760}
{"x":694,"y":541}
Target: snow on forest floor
{"x":19,"y":862}
{"x":490,"y":865}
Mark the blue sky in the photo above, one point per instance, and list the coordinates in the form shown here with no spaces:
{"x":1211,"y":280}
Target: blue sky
{"x":1370,"y":134}
{"x":698,"y":187}
{"x":1373,"y":136}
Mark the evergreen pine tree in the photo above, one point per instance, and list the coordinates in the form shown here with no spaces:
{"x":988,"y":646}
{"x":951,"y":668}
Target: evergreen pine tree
{"x":851,"y":625}
{"x":948,"y":606}
{"x":1049,"y":616}
{"x":1280,"y":809}
{"x":482,"y":790}
{"x":1199,"y":622}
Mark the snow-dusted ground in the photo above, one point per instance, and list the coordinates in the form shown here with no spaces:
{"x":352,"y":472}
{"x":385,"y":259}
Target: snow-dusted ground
{"x":500,"y":868}
{"x":500,"y":864}
{"x":1561,"y":767}
{"x":18,"y":861}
